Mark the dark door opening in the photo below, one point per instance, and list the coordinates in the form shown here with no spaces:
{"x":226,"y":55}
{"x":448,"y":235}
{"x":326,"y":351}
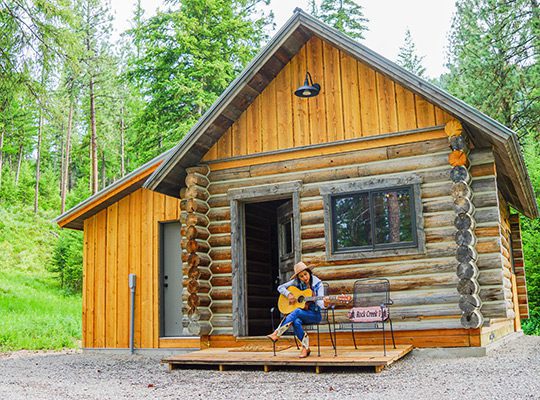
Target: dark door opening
{"x":269,"y":248}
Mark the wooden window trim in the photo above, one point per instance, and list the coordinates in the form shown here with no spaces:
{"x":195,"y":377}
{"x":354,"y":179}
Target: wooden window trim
{"x":369,"y":185}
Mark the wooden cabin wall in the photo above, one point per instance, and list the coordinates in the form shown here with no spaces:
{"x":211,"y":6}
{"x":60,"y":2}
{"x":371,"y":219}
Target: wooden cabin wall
{"x":510,"y":281}
{"x":423,"y":286}
{"x":355,"y":101}
{"x":519,"y":266}
{"x":493,"y":257}
{"x":120,"y":240}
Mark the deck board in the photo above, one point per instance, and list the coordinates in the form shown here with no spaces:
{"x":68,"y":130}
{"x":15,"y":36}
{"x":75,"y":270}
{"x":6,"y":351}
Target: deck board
{"x":365,"y":356}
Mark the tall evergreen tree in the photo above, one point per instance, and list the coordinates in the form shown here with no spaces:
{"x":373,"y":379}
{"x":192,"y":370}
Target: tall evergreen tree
{"x":344,"y":15}
{"x":189,"y":54}
{"x":492,"y":61}
{"x":494,"y":66}
{"x":408,"y":57}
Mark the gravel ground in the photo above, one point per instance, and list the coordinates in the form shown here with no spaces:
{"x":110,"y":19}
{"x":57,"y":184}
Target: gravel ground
{"x":511,"y":371}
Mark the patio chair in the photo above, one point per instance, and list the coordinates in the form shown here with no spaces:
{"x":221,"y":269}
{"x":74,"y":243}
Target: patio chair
{"x":325,"y":320}
{"x":371,"y":301}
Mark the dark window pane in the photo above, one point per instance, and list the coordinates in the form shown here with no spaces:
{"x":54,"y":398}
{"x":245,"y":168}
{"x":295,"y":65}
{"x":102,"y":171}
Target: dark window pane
{"x":393,"y":219}
{"x":352,"y":226}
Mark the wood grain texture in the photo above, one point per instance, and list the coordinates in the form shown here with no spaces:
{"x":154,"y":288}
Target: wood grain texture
{"x":120,"y":240}
{"x":354,"y":101}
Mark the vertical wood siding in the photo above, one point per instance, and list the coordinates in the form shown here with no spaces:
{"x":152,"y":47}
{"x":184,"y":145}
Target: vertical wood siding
{"x":355,"y":101}
{"x":119,"y":240}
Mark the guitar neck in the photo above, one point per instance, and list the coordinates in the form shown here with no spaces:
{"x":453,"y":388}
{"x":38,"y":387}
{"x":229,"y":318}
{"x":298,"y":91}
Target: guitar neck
{"x":315,"y":298}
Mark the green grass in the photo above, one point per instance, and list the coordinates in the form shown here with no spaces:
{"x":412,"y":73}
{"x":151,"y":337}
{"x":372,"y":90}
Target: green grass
{"x":34,"y":312}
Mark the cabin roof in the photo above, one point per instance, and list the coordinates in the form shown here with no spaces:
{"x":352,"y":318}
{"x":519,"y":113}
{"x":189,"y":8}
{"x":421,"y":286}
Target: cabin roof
{"x":74,"y":217}
{"x":484,"y":131}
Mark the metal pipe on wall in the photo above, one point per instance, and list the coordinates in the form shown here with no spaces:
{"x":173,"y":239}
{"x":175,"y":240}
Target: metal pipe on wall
{"x":132,"y":284}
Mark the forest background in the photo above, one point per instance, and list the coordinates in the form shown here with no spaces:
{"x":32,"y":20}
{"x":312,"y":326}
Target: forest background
{"x":79,"y":111}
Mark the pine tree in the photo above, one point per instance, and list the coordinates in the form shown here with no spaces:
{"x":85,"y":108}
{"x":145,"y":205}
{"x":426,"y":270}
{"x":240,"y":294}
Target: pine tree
{"x":189,"y":54}
{"x":344,"y":15}
{"x":408,"y":57}
{"x":494,"y":66}
{"x":492,"y":62}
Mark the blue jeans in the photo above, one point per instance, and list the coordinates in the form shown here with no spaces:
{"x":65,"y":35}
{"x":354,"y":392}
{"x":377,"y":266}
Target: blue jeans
{"x":300,"y":317}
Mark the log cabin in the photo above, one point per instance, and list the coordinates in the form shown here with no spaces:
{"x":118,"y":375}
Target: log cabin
{"x":380,"y":174}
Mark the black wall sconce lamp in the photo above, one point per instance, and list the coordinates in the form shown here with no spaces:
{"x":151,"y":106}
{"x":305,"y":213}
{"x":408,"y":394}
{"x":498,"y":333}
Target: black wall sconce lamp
{"x":308,"y":89}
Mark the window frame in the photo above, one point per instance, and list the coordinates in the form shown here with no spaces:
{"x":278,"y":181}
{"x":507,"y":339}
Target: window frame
{"x":372,"y":186}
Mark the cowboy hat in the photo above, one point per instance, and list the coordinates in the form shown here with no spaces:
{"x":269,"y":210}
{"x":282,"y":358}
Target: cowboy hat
{"x":299,"y":267}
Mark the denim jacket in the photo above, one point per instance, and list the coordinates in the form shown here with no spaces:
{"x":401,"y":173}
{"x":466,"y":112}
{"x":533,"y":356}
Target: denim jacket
{"x":317,"y":288}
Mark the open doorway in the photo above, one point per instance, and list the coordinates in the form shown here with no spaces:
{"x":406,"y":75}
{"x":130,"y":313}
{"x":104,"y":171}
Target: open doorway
{"x":269,"y":256}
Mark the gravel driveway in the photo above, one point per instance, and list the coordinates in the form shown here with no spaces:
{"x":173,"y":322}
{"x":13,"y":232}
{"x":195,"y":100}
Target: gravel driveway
{"x":511,"y":371}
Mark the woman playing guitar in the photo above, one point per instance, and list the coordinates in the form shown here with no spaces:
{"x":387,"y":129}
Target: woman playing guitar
{"x":303,"y":279}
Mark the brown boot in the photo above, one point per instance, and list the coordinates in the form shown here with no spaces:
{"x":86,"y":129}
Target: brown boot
{"x":304,"y":353}
{"x":274,"y":336}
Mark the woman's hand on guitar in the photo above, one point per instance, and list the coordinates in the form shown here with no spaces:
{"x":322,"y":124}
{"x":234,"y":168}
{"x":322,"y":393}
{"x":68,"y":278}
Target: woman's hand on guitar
{"x":326,"y":301}
{"x":292,"y":299}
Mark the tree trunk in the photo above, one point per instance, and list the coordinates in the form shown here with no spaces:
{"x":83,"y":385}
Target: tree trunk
{"x":122,"y":150}
{"x":38,"y":162}
{"x":65,"y":173}
{"x":103,"y":170}
{"x":19,"y":162}
{"x":93,"y":140}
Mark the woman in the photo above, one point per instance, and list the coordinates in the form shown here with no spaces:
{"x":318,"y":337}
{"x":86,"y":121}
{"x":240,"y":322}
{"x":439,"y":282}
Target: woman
{"x":303,"y":279}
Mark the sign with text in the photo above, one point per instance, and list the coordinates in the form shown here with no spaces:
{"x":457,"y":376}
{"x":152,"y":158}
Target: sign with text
{"x":368,"y":314}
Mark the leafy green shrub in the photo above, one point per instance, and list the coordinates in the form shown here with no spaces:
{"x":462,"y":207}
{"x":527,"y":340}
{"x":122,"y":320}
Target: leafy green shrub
{"x":531,"y":326}
{"x":67,"y":261}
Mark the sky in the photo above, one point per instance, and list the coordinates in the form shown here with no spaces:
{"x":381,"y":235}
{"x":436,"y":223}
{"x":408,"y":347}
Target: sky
{"x":428,"y":20}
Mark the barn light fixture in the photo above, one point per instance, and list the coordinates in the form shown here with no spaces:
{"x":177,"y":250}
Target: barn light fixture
{"x":308,"y":89}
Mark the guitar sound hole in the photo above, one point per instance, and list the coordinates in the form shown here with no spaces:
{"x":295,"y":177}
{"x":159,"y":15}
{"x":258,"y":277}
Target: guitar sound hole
{"x":301,"y":299}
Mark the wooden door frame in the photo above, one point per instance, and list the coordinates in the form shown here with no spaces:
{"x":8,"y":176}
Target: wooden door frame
{"x":238,"y":198}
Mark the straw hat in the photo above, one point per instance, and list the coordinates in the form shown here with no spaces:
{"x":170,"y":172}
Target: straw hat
{"x":299,"y":267}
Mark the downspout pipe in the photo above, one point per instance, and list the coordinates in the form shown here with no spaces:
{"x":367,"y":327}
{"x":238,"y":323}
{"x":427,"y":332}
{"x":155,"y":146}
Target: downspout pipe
{"x":132,"y":285}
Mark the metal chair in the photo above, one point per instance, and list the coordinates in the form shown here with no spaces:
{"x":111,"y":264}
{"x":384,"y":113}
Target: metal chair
{"x":371,"y":301}
{"x":325,"y":320}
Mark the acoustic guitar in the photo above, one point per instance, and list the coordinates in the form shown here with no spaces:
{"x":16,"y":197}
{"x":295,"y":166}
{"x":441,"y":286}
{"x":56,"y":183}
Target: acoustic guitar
{"x":305,"y":296}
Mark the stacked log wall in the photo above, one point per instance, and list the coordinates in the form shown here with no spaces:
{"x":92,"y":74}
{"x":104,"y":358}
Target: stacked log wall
{"x":465,"y":223}
{"x":494,"y":276}
{"x":519,"y":266}
{"x":508,"y":261}
{"x":195,"y":252}
{"x":423,"y":286}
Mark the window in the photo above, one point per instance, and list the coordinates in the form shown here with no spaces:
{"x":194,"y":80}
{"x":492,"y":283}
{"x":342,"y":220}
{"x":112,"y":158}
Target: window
{"x":373,"y":217}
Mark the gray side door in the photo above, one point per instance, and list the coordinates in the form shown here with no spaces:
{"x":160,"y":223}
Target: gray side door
{"x":285,"y":241}
{"x":171,"y":280}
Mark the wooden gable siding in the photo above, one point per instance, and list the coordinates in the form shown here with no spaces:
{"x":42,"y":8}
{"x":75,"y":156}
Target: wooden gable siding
{"x":120,"y":240}
{"x":355,"y":101}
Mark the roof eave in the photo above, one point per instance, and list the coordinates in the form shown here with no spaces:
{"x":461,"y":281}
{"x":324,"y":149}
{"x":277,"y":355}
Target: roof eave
{"x":438,"y":96}
{"x":68,"y":218}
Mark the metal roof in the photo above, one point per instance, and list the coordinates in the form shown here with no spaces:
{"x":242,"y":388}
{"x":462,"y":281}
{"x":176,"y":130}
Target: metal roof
{"x":168,"y":178}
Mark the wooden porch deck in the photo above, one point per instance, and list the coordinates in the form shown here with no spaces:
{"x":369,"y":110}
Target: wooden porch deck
{"x":365,"y":356}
